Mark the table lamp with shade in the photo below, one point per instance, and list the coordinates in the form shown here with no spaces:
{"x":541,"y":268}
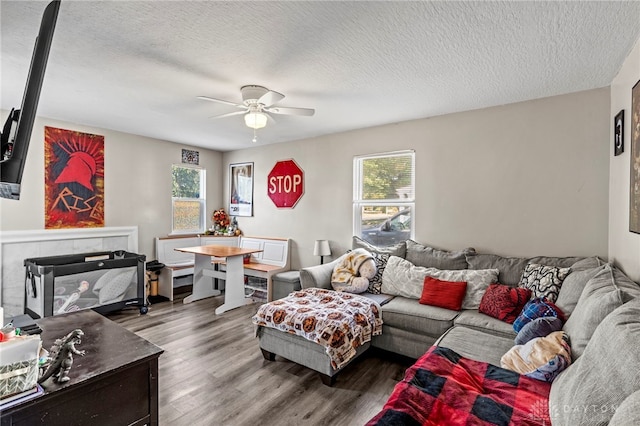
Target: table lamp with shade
{"x":321,"y":248}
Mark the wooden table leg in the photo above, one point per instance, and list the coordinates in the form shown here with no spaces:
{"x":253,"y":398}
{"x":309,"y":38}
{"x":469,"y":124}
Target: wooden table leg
{"x":202,"y":284}
{"x":234,"y":286}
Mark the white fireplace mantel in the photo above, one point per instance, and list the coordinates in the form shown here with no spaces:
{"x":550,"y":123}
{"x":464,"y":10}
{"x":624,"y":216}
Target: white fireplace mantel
{"x":8,"y":237}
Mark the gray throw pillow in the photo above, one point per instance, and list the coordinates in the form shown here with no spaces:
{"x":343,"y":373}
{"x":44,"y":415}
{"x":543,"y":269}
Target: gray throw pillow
{"x":560,"y":262}
{"x":399,"y":249}
{"x":572,"y":288}
{"x":586,"y":263}
{"x":588,"y":392}
{"x":510,"y":268}
{"x":429,"y":257}
{"x":601,"y":295}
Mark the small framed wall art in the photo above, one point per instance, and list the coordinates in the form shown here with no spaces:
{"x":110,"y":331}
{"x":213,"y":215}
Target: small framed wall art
{"x":634,"y":190}
{"x":190,"y":157}
{"x":618,"y":133}
{"x":241,"y":191}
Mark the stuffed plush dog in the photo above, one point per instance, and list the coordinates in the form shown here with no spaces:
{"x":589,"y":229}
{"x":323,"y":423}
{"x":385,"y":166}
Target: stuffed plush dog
{"x":353,"y":272}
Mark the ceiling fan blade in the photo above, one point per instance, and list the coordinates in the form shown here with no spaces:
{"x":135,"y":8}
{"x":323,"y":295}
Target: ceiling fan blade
{"x":291,"y":111}
{"x":229,"y":114}
{"x":207,"y":98}
{"x":270,"y":98}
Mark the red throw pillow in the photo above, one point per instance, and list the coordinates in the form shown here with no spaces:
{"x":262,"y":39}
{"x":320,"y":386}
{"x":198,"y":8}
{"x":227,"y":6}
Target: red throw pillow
{"x":503,"y":302}
{"x":444,"y":294}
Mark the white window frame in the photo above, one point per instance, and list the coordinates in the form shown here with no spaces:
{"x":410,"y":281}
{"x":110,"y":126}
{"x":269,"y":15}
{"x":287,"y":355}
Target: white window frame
{"x":202,"y":200}
{"x":359,"y":202}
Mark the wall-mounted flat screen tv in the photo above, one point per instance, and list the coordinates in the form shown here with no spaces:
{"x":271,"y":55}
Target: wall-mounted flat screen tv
{"x":16,"y":133}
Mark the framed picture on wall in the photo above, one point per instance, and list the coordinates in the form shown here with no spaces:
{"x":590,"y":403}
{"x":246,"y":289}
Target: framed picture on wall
{"x":618,"y":133}
{"x":241,"y":191}
{"x":634,"y":190}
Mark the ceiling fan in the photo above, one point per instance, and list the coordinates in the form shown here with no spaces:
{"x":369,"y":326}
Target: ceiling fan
{"x":258,"y":103}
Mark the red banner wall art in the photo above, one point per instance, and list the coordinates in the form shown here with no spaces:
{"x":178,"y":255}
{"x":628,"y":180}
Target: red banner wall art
{"x":74,"y":179}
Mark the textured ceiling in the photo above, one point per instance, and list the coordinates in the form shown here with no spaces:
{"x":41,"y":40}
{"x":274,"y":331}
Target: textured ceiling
{"x":137,"y":66}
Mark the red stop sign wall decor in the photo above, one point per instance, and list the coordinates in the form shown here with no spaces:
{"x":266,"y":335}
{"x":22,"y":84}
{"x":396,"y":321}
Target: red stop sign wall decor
{"x":285,"y":184}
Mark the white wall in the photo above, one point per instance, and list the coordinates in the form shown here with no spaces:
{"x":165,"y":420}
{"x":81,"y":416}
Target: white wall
{"x":137,"y":183}
{"x":523,"y":179}
{"x":624,"y":246}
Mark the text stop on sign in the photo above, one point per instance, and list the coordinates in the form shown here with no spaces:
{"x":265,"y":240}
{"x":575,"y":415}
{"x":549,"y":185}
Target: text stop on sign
{"x":285,"y":184}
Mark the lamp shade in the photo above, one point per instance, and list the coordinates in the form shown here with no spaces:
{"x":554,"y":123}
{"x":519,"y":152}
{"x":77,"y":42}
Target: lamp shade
{"x":255,"y":120}
{"x":321,"y":248}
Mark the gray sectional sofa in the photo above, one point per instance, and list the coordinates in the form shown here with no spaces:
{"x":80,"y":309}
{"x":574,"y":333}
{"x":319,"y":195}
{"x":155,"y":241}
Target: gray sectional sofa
{"x":601,"y":303}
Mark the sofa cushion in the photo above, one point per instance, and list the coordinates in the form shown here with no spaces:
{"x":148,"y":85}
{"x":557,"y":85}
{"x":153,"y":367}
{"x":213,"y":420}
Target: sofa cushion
{"x":399,"y":249}
{"x":585,"y":263}
{"x":473,"y":319}
{"x":403,"y":342}
{"x":628,"y":413}
{"x":445,"y":294}
{"x":409,"y":314}
{"x":560,"y":262}
{"x":572,"y":288}
{"x":604,"y":376}
{"x":539,"y":327}
{"x":542,"y":358}
{"x":543,"y":280}
{"x":429,"y":257}
{"x":402,"y":278}
{"x":601,"y":295}
{"x":380,"y":299}
{"x":511,"y":268}
{"x":504,"y":302}
{"x":476,"y":344}
{"x":536,"y":308}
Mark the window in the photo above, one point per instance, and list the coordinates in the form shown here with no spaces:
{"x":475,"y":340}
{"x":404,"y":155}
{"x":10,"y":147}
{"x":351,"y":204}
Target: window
{"x":187,"y":199}
{"x":384,"y":197}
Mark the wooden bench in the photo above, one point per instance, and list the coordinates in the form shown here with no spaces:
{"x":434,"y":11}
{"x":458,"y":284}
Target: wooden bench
{"x":273,"y":258}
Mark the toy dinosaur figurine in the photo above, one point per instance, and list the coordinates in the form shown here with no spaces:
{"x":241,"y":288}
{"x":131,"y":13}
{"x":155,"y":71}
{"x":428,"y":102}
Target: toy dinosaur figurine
{"x":61,"y":357}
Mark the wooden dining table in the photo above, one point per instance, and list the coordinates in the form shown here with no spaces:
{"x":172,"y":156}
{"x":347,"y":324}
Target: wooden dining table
{"x":204,"y":271}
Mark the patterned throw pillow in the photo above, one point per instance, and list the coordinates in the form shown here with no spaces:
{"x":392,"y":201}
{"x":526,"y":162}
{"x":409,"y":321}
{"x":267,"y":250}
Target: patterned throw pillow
{"x":537,"y":308}
{"x":375,"y":283}
{"x":504,"y":302}
{"x":543,"y":281}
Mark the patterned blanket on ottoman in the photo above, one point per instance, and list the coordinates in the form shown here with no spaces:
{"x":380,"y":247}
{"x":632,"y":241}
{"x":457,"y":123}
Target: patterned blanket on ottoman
{"x":444,"y":388}
{"x":336,"y":320}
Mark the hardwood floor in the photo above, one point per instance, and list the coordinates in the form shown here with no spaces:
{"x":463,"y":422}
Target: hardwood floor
{"x":212,"y":372}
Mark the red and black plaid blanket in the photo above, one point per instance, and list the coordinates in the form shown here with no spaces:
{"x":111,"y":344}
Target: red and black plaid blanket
{"x":444,"y":388}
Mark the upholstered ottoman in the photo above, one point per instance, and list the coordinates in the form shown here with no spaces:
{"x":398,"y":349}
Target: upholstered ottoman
{"x":321,"y":329}
{"x":301,"y":351}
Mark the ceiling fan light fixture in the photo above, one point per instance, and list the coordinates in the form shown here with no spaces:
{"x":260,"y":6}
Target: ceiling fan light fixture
{"x":255,"y":120}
